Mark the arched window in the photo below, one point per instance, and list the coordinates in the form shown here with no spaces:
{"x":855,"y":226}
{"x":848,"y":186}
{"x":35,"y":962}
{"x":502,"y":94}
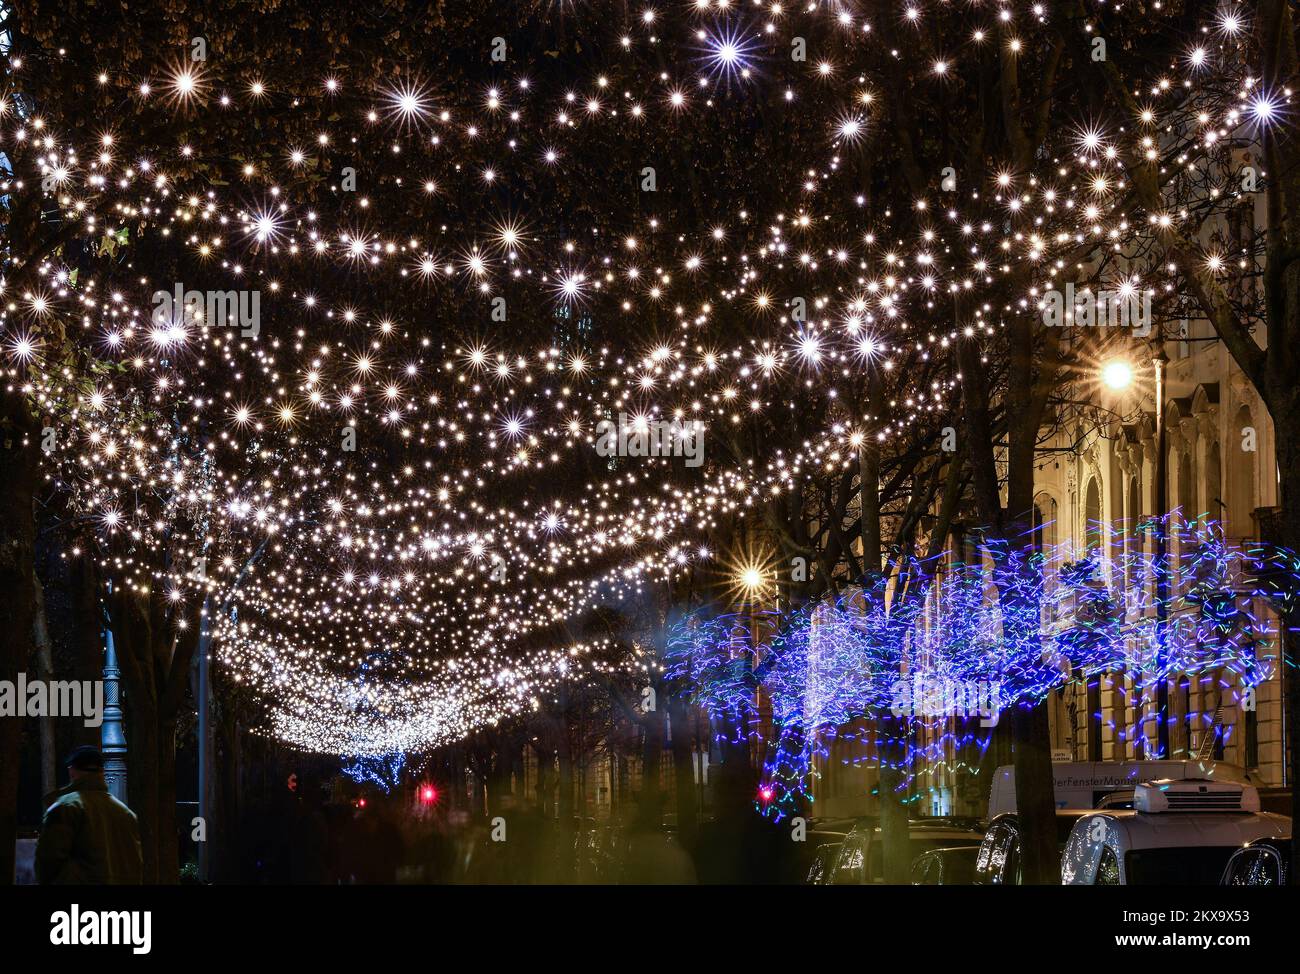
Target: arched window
{"x":1132,"y":540}
{"x":1187,"y":485}
{"x":1214,"y":484}
{"x":1044,"y":522}
{"x":1094,"y":717}
{"x":1092,"y":517}
{"x":1241,"y":497}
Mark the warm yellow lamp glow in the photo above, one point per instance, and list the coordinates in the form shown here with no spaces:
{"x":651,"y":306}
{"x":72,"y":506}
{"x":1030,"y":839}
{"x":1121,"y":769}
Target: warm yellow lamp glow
{"x":1117,"y":375}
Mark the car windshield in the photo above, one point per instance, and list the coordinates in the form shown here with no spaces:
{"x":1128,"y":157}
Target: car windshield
{"x":959,"y":866}
{"x":822,"y":860}
{"x":919,"y":846}
{"x":1191,"y":866}
{"x":1258,"y":866}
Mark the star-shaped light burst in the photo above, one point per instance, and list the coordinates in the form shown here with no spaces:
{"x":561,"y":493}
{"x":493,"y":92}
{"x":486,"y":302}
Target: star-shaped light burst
{"x":408,"y":104}
{"x":186,"y":84}
{"x":850,"y":128}
{"x":508,"y":236}
{"x":809,"y":346}
{"x":1264,"y":109}
{"x":729,"y":52}
{"x":266,"y":225}
{"x":515,"y":426}
{"x":570,"y":287}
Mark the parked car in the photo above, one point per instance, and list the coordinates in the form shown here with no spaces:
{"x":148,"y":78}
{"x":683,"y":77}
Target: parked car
{"x":860,"y":860}
{"x":1122,"y":799}
{"x":963,"y":822}
{"x":822,"y":864}
{"x":953,"y":866}
{"x":599,"y":850}
{"x":1264,"y":862}
{"x":810,"y":859}
{"x":842,"y":824}
{"x":1179,"y":832}
{"x":1082,"y":784}
{"x":998,"y":862}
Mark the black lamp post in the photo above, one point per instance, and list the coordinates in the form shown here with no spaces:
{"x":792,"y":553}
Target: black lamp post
{"x":1162,"y":545}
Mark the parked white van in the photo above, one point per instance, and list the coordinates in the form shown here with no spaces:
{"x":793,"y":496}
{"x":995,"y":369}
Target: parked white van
{"x":1177,"y":833}
{"x":1083,"y":784}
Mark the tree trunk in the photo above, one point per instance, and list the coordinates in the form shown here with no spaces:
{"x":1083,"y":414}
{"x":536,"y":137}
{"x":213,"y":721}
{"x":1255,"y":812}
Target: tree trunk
{"x":168,"y":854}
{"x":500,"y":783}
{"x":479,"y":804}
{"x":89,"y":640}
{"x":1031,"y":742}
{"x":45,"y":670}
{"x":564,"y":809}
{"x":545,"y":778}
{"x":155,"y":672}
{"x":1287,"y":435}
{"x":223,"y":853}
{"x":652,"y":749}
{"x":142,"y":776}
{"x":894,"y":831}
{"x":1031,"y":754}
{"x":891,"y":732}
{"x":18,"y":476}
{"x":683,"y":771}
{"x":564,"y":803}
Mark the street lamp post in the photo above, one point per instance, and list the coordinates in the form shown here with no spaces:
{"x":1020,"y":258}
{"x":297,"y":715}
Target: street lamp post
{"x":1118,"y":375}
{"x":112,"y":741}
{"x":1161,"y":553}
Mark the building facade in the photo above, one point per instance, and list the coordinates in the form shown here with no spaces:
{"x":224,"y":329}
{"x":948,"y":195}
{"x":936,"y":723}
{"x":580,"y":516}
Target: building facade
{"x":1096,"y":483}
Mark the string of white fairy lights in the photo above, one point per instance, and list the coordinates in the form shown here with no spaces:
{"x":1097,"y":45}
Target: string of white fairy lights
{"x":402,"y":564}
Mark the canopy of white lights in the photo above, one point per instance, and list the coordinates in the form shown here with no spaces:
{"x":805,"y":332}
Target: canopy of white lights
{"x":399,"y":594}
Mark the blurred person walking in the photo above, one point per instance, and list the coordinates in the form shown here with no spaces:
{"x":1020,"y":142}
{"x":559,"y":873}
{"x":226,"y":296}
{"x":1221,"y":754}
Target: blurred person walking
{"x":88,"y":837}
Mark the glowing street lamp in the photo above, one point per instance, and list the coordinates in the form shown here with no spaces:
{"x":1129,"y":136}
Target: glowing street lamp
{"x":751,"y":578}
{"x":1117,"y":374}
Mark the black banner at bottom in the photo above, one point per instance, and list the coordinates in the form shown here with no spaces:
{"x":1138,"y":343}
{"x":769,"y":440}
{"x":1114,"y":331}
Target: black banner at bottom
{"x":337,"y":924}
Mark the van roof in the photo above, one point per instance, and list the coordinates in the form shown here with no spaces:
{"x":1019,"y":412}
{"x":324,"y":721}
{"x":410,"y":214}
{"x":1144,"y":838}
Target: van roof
{"x":1090,"y":777}
{"x":1121,"y":773}
{"x":1143,"y":830}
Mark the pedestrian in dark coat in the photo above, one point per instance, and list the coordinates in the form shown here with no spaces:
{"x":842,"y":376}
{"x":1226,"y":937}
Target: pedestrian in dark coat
{"x":88,"y":837}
